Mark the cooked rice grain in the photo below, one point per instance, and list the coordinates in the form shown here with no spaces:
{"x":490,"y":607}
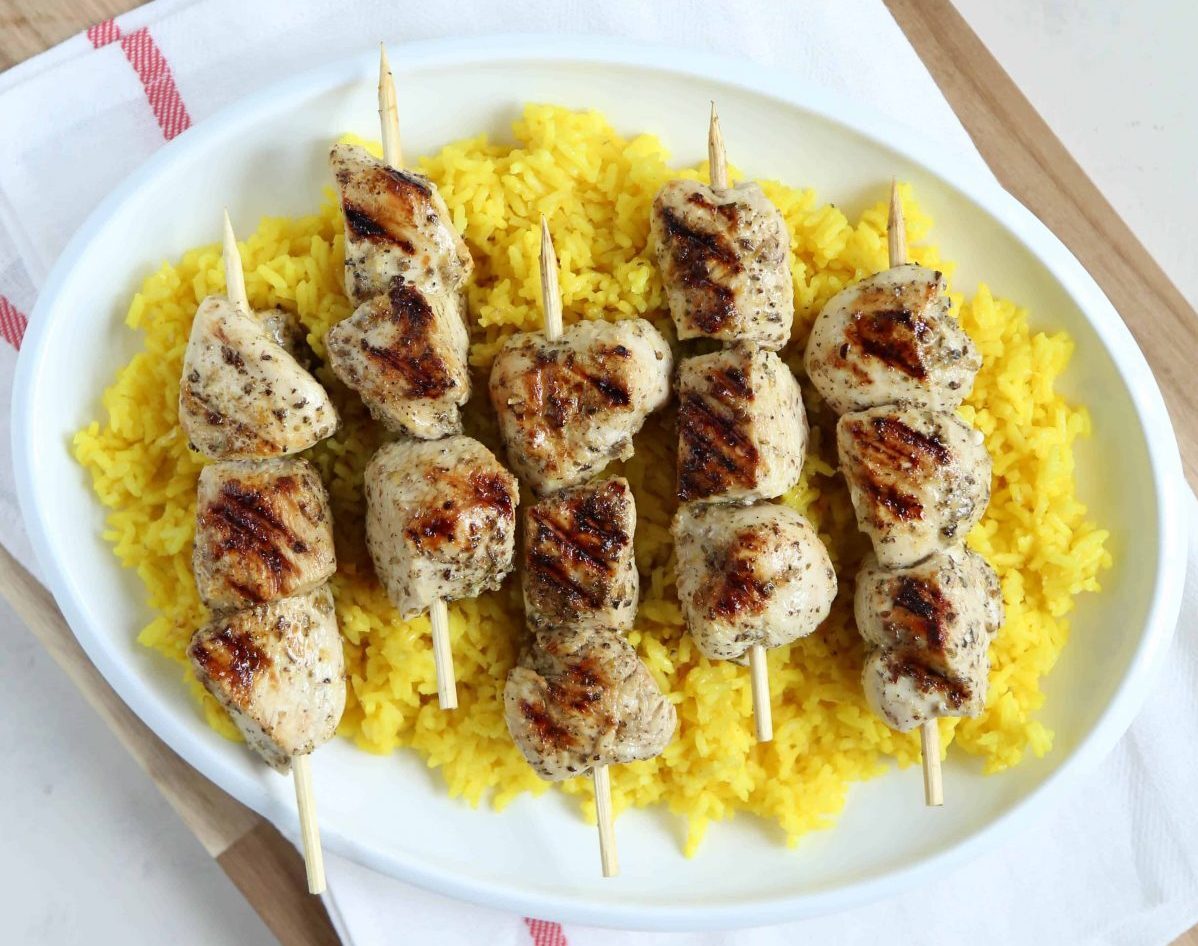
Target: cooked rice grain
{"x":596,"y":188}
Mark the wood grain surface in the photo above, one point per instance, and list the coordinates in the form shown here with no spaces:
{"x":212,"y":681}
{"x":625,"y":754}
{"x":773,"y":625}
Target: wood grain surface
{"x":1017,"y":144}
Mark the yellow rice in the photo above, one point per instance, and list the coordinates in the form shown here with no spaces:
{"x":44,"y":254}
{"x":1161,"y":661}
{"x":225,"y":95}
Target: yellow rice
{"x":596,"y":188}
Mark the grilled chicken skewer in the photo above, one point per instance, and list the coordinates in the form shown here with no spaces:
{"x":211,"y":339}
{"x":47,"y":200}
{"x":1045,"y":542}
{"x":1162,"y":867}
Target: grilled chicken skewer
{"x":580,"y":698}
{"x":723,"y":255}
{"x":404,"y":349}
{"x":742,"y":429}
{"x":272,"y":655}
{"x":889,"y":357}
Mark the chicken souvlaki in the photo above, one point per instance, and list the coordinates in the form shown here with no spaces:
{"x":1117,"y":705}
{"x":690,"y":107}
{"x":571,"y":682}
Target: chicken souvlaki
{"x":568,"y":403}
{"x":440,"y":508}
{"x":890,"y":358}
{"x":752,"y":574}
{"x":272,"y":653}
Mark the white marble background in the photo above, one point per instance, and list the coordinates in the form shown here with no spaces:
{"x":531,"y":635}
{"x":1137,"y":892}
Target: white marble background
{"x":93,"y":854}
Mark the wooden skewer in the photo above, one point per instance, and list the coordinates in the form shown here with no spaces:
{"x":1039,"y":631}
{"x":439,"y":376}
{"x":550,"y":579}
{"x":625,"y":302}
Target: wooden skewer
{"x":551,"y":294}
{"x":929,"y":744}
{"x":438,"y":613}
{"x":608,"y":856}
{"x":234,"y":274}
{"x":447,"y":686}
{"x":759,"y":674}
{"x":309,"y":830}
{"x":551,"y":303}
{"x":389,"y":112}
{"x":896,"y":229}
{"x":929,"y":732}
{"x":300,"y":770}
{"x":717,"y":154}
{"x":759,"y":677}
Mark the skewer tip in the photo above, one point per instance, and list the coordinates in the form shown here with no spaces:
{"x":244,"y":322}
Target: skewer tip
{"x":717,"y":153}
{"x":896,"y":227}
{"x":234,"y":274}
{"x":389,"y":112}
{"x":547,"y":252}
{"x":551,"y":294}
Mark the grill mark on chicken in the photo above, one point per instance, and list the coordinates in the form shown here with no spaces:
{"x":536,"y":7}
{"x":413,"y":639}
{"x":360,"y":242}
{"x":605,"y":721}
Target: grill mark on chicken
{"x":929,"y":679}
{"x":586,"y":533}
{"x":435,"y":527}
{"x":365,"y":227}
{"x":887,"y":447}
{"x":244,"y":522}
{"x":235,"y":661}
{"x":548,"y":731}
{"x":730,"y":212}
{"x":696,"y":255}
{"x":581,"y":688}
{"x":361,"y":224}
{"x":929,"y":612}
{"x":730,"y":385}
{"x":394,"y":206}
{"x":615,"y":393}
{"x":561,"y":383}
{"x":740,"y":591}
{"x":253,"y":441}
{"x":491,"y":491}
{"x":717,"y":454}
{"x":415,"y":363}
{"x":892,"y":337}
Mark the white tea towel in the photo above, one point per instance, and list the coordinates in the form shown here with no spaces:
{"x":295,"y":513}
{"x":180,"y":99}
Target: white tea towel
{"x":1116,"y":866}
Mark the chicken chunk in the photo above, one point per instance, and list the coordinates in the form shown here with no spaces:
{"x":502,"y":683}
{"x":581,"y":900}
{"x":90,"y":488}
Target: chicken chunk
{"x":279,"y":671}
{"x":440,"y":521}
{"x":750,"y":575}
{"x":723,"y":254}
{"x":919,"y":479}
{"x":242,"y":395}
{"x":742,"y":429}
{"x":404,"y":352}
{"x":570,"y":406}
{"x":928,"y":628}
{"x":396,"y":225}
{"x":578,"y":563}
{"x":891,"y":339}
{"x":263,"y":531}
{"x":581,"y":697}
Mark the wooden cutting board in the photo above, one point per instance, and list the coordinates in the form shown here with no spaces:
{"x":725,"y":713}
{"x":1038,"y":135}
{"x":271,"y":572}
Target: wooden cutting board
{"x":1022,"y":151}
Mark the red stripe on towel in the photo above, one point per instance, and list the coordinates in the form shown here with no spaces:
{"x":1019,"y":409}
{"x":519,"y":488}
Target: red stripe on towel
{"x":151,"y":67}
{"x":104,"y":33}
{"x":545,"y":932}
{"x":12,"y":323}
